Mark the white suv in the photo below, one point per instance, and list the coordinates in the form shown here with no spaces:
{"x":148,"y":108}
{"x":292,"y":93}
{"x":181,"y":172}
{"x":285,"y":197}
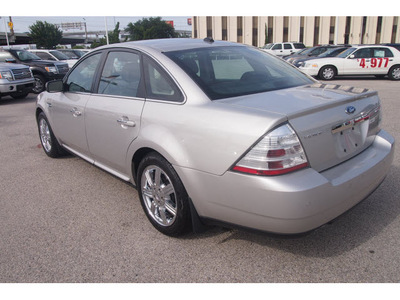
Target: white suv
{"x":53,"y":55}
{"x":283,"y":49}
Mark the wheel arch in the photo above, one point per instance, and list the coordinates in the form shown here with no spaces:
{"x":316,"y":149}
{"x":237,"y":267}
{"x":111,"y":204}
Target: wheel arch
{"x":197,"y":225}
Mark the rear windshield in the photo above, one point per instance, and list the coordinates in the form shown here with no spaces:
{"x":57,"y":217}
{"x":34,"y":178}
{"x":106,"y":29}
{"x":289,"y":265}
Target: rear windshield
{"x":224,"y":72}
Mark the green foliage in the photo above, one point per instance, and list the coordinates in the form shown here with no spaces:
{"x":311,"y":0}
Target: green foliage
{"x":113,"y":37}
{"x":150,"y":28}
{"x":45,"y":35}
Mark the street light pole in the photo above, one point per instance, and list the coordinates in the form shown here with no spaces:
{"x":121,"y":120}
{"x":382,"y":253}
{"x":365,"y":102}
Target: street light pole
{"x":5,"y":31}
{"x":105,"y":21}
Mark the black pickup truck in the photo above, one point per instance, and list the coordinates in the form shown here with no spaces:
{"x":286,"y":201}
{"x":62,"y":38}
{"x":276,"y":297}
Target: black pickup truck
{"x":42,"y":70}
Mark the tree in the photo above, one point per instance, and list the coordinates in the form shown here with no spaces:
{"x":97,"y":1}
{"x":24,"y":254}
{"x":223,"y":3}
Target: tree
{"x":151,"y":28}
{"x":113,"y":37}
{"x":45,"y":35}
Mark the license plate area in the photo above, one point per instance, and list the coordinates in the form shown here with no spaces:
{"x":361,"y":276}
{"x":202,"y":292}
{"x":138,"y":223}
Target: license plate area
{"x":350,"y":137}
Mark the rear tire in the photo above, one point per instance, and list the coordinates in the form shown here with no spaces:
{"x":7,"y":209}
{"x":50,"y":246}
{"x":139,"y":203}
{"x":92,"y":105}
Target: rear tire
{"x":394,"y":72}
{"x":163,"y":196}
{"x":327,"y":73}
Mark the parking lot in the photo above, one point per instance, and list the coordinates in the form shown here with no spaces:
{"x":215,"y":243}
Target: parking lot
{"x":64,"y":220}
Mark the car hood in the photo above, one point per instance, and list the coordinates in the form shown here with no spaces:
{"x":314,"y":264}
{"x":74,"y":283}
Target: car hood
{"x":317,"y":113}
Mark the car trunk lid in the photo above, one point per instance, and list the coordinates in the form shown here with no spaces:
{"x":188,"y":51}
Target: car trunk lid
{"x":333,"y":122}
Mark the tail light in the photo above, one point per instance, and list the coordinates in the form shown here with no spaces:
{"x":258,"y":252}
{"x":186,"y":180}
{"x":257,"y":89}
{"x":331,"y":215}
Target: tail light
{"x":278,"y":152}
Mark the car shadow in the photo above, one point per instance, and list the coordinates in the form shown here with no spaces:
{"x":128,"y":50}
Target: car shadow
{"x":348,"y":231}
{"x":8,"y":100}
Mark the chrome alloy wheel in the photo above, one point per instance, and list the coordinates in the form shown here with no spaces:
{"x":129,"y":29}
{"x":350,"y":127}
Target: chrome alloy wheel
{"x":45,"y":135}
{"x":159,"y":195}
{"x":396,"y":73}
{"x":328,"y":73}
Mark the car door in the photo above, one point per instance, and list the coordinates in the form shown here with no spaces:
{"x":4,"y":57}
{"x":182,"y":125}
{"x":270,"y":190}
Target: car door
{"x":277,"y":49}
{"x":67,"y":109}
{"x":358,"y":63}
{"x":113,"y":112}
{"x":287,"y":49}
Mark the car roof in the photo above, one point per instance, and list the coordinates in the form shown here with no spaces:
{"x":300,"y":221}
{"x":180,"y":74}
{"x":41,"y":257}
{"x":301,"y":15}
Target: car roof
{"x":172,"y":44}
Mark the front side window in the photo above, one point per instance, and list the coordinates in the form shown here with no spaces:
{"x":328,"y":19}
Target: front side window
{"x":277,"y":47}
{"x":82,"y":77}
{"x":121,"y":74}
{"x":44,"y":55}
{"x":224,"y":72}
{"x":363,"y":53}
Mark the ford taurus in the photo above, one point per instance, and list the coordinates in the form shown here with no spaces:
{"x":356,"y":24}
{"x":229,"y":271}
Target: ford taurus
{"x":216,"y":131}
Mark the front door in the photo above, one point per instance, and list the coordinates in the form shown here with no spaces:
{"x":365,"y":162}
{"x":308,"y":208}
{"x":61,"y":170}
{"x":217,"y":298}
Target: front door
{"x":68,"y":108}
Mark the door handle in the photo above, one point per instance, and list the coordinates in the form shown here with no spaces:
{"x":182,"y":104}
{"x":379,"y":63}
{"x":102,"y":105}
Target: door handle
{"x":124,"y":121}
{"x":75,"y":112}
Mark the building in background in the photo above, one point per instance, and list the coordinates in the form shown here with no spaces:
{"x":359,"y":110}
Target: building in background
{"x":258,"y":31}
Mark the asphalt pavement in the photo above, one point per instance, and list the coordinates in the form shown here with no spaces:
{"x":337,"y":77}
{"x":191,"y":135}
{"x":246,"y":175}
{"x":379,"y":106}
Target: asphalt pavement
{"x":64,"y":220}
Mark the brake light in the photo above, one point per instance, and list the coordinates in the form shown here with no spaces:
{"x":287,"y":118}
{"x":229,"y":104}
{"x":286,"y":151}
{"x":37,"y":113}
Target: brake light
{"x":279,"y":152}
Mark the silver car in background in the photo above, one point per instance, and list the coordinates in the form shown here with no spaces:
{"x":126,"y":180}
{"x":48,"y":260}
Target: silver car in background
{"x":216,"y":131}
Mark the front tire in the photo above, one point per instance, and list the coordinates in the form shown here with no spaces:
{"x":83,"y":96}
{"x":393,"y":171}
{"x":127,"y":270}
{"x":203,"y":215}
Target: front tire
{"x":163,"y":196}
{"x":49,"y":142}
{"x":39,"y":85}
{"x":327,"y":73}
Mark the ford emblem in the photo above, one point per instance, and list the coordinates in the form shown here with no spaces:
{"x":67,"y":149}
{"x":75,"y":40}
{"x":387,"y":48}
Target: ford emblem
{"x":350,"y":110}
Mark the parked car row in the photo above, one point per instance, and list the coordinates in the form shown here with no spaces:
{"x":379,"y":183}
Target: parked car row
{"x":42,"y":70}
{"x":378,"y":60}
{"x":329,"y":61}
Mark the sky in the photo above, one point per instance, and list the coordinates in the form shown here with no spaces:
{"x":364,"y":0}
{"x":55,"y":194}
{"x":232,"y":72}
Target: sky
{"x":26,"y":12}
{"x":93,"y":23}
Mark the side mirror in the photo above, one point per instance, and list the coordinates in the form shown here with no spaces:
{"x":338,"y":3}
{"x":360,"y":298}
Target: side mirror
{"x":55,"y":86}
{"x":352,"y":56}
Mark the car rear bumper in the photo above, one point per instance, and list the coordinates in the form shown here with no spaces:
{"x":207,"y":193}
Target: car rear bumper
{"x":292,"y":203}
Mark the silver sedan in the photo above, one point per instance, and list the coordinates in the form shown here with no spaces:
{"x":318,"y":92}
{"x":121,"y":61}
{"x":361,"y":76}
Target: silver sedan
{"x":215,"y":131}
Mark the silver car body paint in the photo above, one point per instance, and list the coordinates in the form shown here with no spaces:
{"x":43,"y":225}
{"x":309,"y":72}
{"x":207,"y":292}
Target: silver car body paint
{"x":203,"y":139}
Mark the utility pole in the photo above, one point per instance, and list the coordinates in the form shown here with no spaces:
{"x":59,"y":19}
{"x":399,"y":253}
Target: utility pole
{"x":5,"y":32}
{"x":11,"y":26}
{"x":105,"y":21}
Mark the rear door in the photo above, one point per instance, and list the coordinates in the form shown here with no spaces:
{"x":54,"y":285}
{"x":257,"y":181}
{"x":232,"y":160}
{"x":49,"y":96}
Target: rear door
{"x":113,"y":113}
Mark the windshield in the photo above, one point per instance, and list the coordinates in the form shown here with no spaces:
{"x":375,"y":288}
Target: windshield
{"x":346,"y":53}
{"x":224,"y":72}
{"x":268,"y":46}
{"x":23,"y":55}
{"x":331,"y":52}
{"x":59,"y":55}
{"x":72,"y":54}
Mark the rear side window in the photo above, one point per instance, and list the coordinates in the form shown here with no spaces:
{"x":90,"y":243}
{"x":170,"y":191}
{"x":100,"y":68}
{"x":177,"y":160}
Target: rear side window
{"x":382,"y":52}
{"x":287,"y":46}
{"x":224,"y":72}
{"x":299,"y":45}
{"x":159,"y":85}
